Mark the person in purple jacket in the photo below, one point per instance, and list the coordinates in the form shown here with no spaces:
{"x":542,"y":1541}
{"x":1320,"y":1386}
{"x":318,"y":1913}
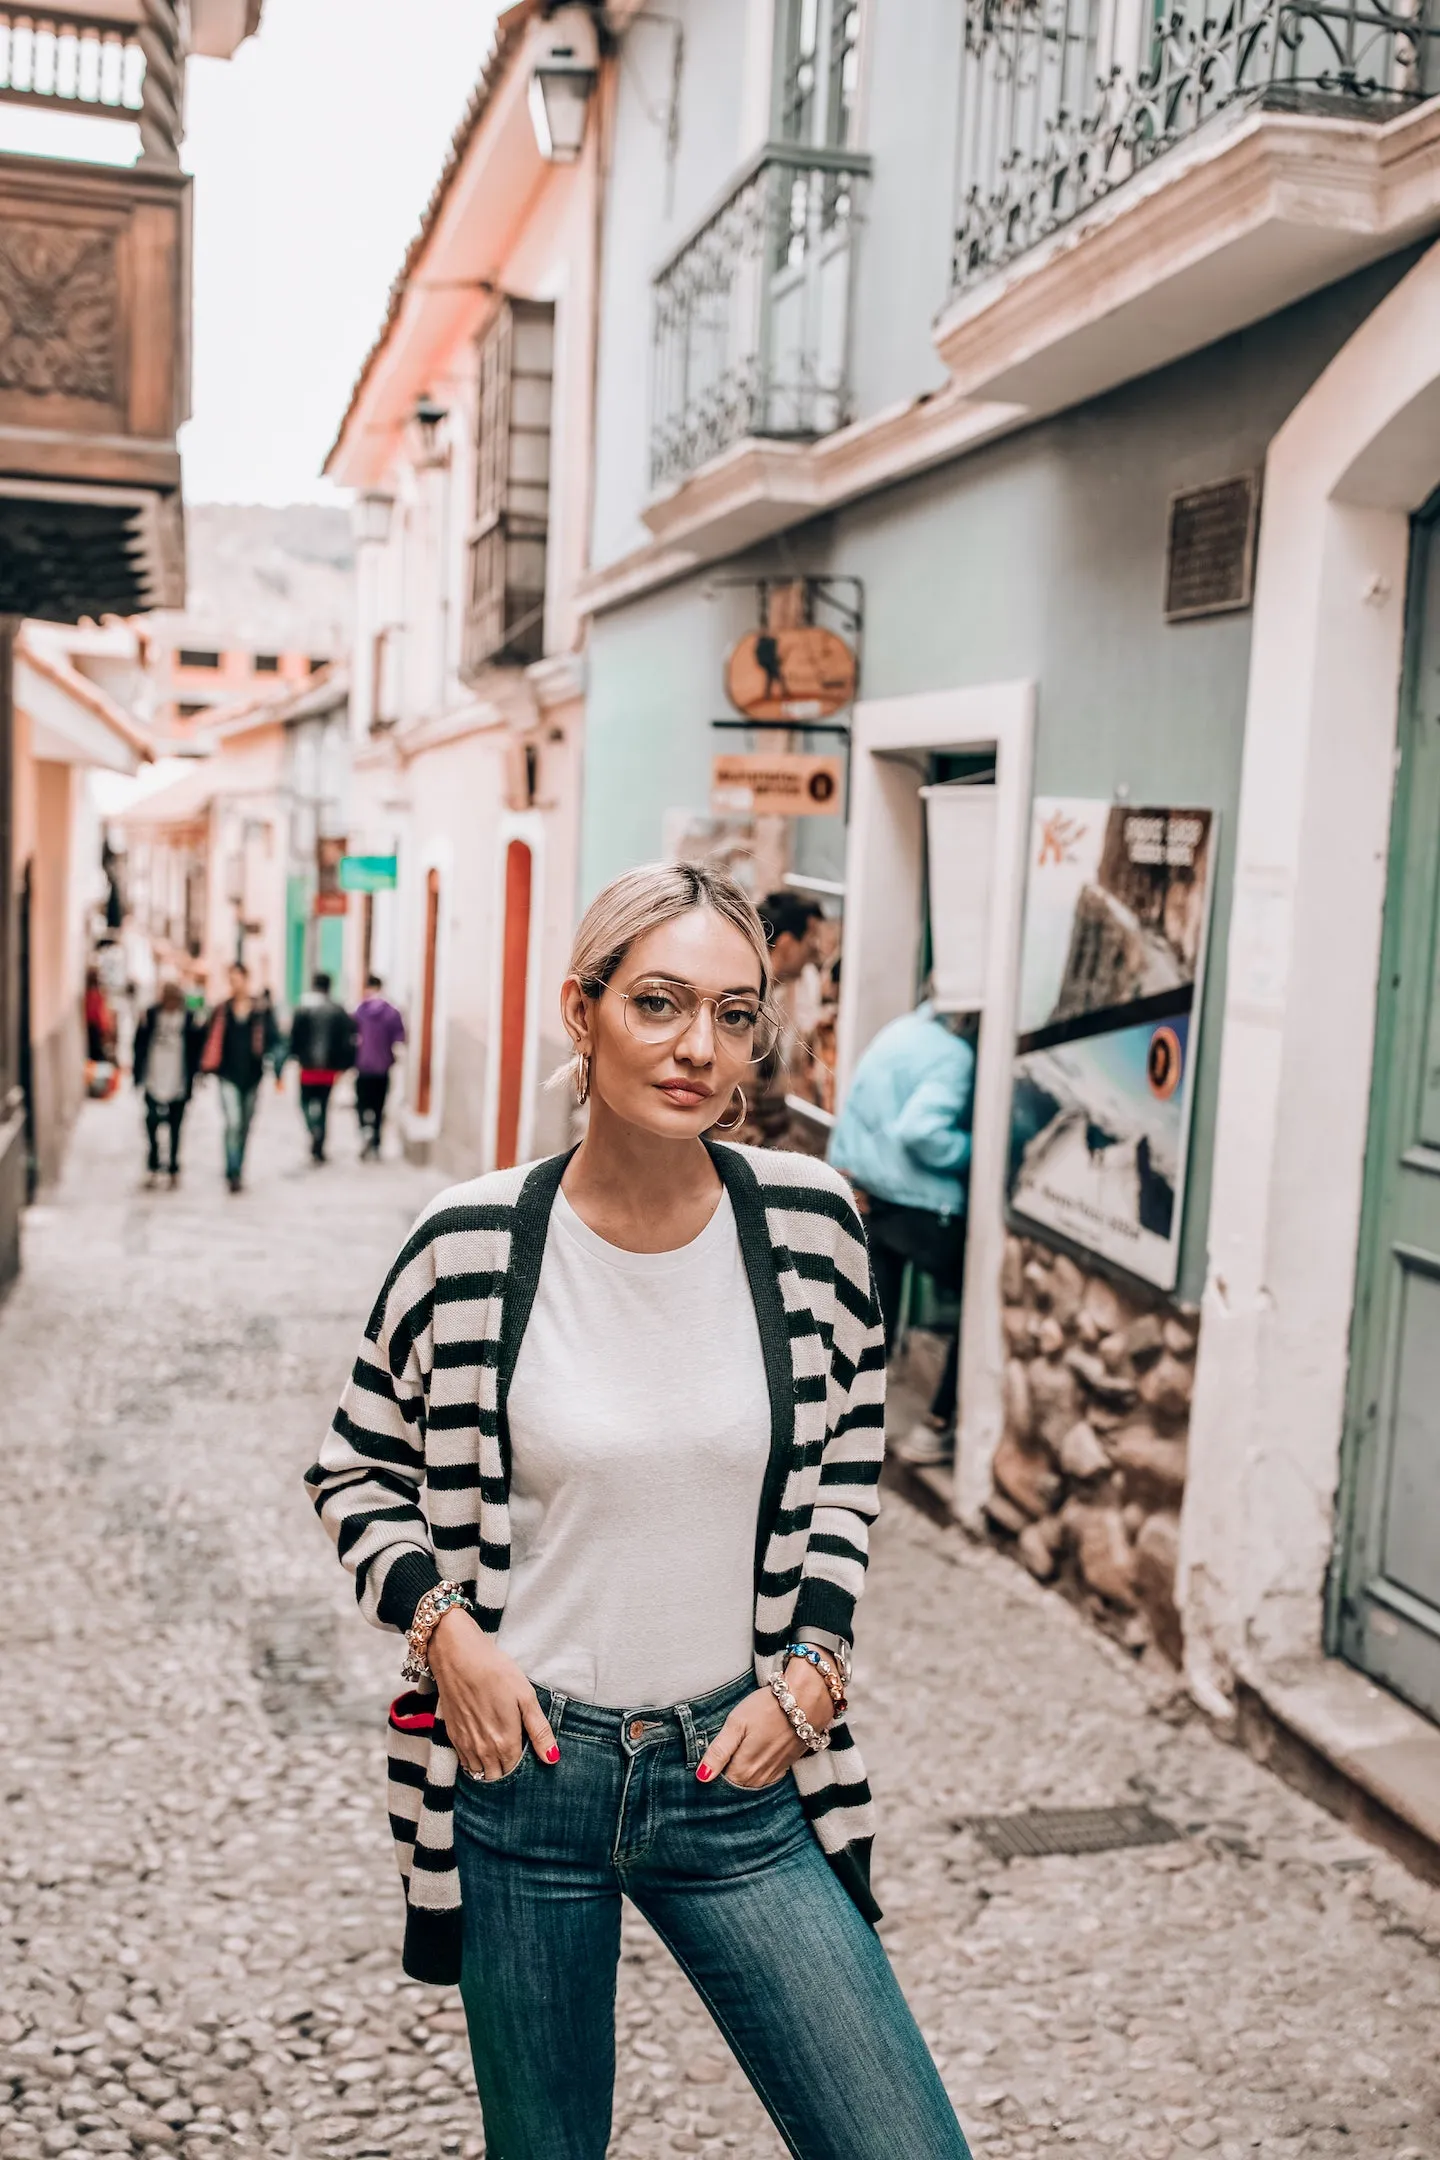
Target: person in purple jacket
{"x":378,"y":1028}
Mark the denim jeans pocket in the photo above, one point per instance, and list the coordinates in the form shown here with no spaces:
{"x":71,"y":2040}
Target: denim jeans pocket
{"x":473,"y":1782}
{"x":755,"y":1791}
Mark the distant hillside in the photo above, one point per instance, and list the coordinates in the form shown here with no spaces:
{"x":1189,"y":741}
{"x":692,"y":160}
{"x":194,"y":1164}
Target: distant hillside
{"x":266,"y":579}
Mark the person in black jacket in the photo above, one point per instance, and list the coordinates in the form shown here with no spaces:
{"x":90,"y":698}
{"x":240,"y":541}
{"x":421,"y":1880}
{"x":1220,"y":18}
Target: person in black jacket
{"x":322,"y":1043}
{"x":166,"y":1058}
{"x":241,"y":1039}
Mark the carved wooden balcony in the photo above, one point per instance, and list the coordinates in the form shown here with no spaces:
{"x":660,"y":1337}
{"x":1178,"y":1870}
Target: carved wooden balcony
{"x":94,"y":319}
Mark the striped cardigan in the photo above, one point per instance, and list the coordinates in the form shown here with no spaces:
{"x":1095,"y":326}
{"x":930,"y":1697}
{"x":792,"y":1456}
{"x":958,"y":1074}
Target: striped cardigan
{"x":413,"y":1479}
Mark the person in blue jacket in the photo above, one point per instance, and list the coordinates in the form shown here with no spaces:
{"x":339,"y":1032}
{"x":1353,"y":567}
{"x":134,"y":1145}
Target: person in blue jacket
{"x":903,"y":1140}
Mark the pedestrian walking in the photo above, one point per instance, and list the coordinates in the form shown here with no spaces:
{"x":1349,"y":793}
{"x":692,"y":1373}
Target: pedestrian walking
{"x":99,"y":1020}
{"x":168,"y":1046}
{"x":789,"y":924}
{"x":322,"y":1044}
{"x":240,"y":1040}
{"x":379,"y":1030}
{"x":609,"y":1459}
{"x":903,"y":1139}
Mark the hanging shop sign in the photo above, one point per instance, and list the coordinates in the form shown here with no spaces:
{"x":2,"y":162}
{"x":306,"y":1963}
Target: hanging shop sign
{"x":368,"y":873}
{"x":1117,"y":912}
{"x":778,"y":783}
{"x":331,"y":903}
{"x":805,"y":673}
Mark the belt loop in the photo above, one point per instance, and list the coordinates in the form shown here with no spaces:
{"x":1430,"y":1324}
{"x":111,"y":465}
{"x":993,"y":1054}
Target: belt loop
{"x":693,"y":1749}
{"x":558,"y":1703}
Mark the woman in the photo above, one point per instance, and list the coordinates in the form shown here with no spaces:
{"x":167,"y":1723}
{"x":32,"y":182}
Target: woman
{"x":640,"y":1390}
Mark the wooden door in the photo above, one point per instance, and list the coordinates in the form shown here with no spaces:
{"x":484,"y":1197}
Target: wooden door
{"x":514,"y":1000}
{"x":1386,"y":1602}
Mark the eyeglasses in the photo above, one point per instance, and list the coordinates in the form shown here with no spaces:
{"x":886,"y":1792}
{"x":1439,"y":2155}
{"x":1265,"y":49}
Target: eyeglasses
{"x":660,"y":1011}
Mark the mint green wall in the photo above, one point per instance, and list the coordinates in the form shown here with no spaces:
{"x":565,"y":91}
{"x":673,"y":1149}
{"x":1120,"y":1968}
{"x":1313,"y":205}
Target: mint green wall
{"x":1042,"y":558}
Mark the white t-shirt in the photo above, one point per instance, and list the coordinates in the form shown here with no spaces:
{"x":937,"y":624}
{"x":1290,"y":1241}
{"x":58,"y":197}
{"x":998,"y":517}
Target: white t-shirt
{"x":165,"y":1064}
{"x":639,"y":1433}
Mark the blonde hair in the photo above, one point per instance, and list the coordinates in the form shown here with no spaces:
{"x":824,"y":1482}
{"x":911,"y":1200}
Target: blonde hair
{"x":639,"y":901}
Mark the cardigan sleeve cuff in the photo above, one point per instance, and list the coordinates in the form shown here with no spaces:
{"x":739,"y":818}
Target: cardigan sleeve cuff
{"x":411,"y":1574}
{"x":824,"y":1605}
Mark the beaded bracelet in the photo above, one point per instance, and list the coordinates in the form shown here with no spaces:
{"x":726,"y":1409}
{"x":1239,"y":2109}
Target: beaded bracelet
{"x":826,"y":1670}
{"x":433,"y":1606}
{"x":805,"y":1732}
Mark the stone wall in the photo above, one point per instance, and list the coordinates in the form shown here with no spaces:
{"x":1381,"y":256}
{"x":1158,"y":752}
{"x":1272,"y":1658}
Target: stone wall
{"x":1089,"y":1473}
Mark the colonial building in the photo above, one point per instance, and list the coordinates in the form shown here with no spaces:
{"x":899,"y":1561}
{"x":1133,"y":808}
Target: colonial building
{"x":469,"y":438}
{"x":229,"y":861}
{"x":1077,"y":367}
{"x":66,"y":728}
{"x":94,"y":384}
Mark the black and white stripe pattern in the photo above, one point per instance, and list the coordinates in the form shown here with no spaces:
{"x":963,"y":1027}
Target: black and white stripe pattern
{"x":413,"y":1479}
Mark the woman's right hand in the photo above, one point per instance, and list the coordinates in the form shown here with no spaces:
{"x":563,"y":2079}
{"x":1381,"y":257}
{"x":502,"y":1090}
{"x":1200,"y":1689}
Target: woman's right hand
{"x":487,"y":1703}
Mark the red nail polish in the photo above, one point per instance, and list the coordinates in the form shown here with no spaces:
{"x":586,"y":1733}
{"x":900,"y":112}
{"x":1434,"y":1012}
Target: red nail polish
{"x":703,"y":1773}
{"x":552,"y":1754}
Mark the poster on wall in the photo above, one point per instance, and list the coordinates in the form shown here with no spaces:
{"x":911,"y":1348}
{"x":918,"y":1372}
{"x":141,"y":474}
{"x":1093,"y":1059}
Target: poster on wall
{"x":1117,"y":911}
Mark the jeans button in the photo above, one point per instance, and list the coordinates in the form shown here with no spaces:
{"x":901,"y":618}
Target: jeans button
{"x":637,"y":1728}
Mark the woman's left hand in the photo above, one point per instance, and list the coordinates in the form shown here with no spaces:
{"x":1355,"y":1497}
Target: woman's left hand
{"x":757,"y":1744}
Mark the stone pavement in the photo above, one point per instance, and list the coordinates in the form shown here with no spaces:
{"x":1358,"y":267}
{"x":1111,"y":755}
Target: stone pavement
{"x":198,"y":1907}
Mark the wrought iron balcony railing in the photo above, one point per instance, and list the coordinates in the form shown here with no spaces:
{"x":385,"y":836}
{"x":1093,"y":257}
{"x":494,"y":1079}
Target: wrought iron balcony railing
{"x":1061,"y":100}
{"x":752,"y":313}
{"x":59,"y":59}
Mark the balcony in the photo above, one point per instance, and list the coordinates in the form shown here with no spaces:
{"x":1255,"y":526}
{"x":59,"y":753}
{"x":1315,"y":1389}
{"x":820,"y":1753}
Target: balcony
{"x":94,"y":316}
{"x":752,"y":313}
{"x":1062,"y":100}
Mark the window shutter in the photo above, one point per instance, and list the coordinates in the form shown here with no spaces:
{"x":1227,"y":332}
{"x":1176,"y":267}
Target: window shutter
{"x":505,"y":601}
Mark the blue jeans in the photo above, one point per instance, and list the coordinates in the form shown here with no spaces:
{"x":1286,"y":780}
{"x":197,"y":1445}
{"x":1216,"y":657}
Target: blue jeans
{"x":238,"y":1105}
{"x":735,"y":1884}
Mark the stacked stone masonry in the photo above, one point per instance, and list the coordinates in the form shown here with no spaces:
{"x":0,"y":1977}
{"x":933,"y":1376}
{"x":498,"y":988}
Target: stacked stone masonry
{"x":1090,"y":1470}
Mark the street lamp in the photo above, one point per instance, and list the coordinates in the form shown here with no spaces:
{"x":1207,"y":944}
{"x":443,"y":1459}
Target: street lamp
{"x":372,"y":519}
{"x":429,"y":419}
{"x":561,"y":81}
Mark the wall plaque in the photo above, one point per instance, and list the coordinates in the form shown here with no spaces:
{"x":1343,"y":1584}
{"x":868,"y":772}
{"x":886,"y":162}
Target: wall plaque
{"x":1210,"y":551}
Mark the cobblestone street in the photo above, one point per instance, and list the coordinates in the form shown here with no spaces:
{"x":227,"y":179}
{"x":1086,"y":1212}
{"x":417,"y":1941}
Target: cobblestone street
{"x":199,"y":1917}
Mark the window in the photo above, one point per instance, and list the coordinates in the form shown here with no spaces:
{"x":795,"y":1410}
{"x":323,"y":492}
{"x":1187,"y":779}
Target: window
{"x":817,"y":71}
{"x":386,"y":649}
{"x":317,"y":664}
{"x":267,"y":663}
{"x":185,"y":658}
{"x":188,"y":710}
{"x":505,"y":599}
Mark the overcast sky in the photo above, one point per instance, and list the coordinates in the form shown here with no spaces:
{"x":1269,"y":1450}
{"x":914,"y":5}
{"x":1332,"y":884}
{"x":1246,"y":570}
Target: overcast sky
{"x":314,"y":152}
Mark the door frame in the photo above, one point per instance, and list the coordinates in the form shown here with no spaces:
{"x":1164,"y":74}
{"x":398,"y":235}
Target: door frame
{"x":1344,"y":475}
{"x":1360,"y":1502}
{"x":884,"y":858}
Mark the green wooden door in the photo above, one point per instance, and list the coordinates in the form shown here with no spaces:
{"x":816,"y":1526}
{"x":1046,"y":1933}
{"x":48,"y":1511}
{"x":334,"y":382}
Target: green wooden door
{"x":297,"y":924}
{"x":1386,"y":1604}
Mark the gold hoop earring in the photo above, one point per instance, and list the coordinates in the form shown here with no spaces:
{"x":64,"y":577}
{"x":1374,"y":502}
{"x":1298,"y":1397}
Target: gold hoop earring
{"x":735,"y":1123}
{"x":582,"y":1076}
